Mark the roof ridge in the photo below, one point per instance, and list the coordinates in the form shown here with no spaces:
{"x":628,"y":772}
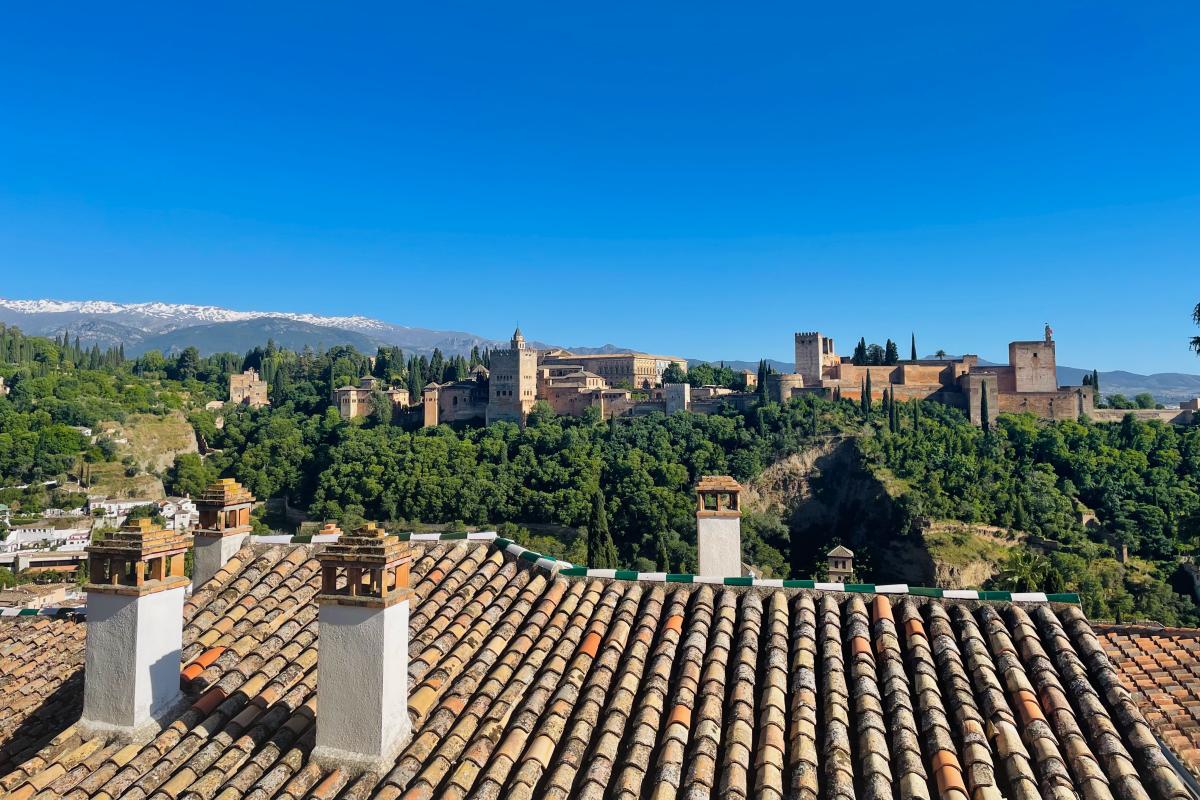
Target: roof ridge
{"x":570,"y":570}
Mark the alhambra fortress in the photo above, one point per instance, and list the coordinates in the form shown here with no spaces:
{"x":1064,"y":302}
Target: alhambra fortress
{"x":627,"y":384}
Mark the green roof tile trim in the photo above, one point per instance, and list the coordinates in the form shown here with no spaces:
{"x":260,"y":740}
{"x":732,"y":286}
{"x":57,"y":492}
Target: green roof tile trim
{"x":570,"y":570}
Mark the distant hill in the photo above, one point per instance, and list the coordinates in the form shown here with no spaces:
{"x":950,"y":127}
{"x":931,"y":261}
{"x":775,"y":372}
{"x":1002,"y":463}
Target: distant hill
{"x":144,"y":326}
{"x":238,"y":337}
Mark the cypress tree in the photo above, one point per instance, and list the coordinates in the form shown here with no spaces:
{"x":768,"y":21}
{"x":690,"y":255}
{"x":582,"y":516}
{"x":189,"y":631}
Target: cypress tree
{"x":891,"y":353}
{"x":860,"y":352}
{"x":862,"y":398}
{"x":602,"y":553}
{"x":763,"y":395}
{"x":1095,"y":387}
{"x":870,"y":396}
{"x":663,"y":556}
{"x":983,"y":407}
{"x":914,"y":346}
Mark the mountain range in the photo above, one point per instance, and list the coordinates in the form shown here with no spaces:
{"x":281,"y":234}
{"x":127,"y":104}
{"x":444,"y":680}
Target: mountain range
{"x":170,"y":327}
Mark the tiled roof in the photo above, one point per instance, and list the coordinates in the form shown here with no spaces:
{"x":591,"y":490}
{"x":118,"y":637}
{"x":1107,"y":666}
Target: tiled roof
{"x":527,"y":684}
{"x":40,"y":683}
{"x":1161,"y":668}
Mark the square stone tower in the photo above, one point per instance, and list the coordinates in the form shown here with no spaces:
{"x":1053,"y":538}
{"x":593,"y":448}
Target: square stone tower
{"x":814,"y":352}
{"x":512,"y":384}
{"x":1034,"y":365}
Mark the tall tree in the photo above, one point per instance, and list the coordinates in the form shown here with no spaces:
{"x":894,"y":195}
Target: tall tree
{"x":891,"y":353}
{"x":914,"y":346}
{"x":870,"y":396}
{"x":662,"y":556}
{"x":764,"y":395}
{"x":864,"y":403}
{"x":860,"y":352}
{"x":602,"y":553}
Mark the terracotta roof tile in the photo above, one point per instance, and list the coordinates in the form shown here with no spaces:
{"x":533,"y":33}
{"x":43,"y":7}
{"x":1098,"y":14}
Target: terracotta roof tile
{"x":1147,"y":658}
{"x":526,"y":684}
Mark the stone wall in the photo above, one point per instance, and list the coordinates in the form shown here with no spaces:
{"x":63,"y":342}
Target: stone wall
{"x":1178,"y":416}
{"x":1062,"y":404}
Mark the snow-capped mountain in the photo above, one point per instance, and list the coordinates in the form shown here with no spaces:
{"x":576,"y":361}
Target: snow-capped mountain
{"x":168,"y":316}
{"x":173,"y":326}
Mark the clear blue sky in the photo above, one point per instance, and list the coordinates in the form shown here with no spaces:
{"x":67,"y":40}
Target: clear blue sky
{"x":699,"y":178}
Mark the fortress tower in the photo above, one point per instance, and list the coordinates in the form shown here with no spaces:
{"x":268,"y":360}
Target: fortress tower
{"x":1034,"y":364}
{"x":512,"y":389}
{"x":814,"y":352}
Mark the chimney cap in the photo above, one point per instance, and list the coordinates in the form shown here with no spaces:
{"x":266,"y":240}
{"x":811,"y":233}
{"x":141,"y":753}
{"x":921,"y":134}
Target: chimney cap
{"x":116,"y":564}
{"x":224,"y":492}
{"x":370,"y":553}
{"x":717,"y":483}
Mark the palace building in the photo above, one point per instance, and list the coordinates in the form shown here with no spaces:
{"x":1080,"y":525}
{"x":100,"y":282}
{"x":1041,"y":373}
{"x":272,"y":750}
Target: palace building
{"x":615,"y":384}
{"x":248,"y":389}
{"x":355,"y":401}
{"x":1028,"y":383}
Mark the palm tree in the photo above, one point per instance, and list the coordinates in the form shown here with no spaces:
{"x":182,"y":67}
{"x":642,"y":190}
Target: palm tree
{"x":940,"y":355}
{"x":1025,"y":571}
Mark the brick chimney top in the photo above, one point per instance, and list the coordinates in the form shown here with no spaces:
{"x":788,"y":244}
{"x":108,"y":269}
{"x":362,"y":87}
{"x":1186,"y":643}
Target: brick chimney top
{"x":225,"y":492}
{"x":717,"y":496}
{"x":366,"y":568}
{"x":141,"y":558}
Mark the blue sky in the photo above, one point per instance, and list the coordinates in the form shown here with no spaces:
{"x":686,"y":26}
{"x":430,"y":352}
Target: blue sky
{"x":700,"y":178}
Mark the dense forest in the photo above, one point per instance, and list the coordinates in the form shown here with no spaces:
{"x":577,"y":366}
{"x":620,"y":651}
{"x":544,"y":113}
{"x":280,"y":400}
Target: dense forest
{"x":619,"y":492}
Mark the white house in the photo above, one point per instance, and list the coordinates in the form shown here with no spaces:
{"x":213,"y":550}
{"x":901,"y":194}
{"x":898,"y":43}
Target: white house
{"x":179,"y":512}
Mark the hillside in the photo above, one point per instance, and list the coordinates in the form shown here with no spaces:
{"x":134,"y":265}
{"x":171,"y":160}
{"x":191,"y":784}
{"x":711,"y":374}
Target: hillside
{"x":242,"y":335}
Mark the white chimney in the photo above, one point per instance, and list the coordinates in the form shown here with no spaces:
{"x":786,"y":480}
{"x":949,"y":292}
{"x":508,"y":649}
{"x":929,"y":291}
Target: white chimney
{"x":362,"y":659}
{"x":224,"y":511}
{"x":719,"y":526}
{"x":134,"y":631}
